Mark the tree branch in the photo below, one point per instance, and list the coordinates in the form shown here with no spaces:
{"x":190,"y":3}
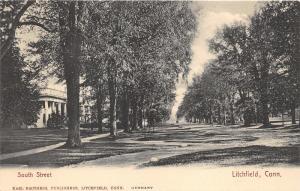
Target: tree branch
{"x":7,"y":44}
{"x":22,"y":11}
{"x":34,"y":23}
{"x":35,"y":18}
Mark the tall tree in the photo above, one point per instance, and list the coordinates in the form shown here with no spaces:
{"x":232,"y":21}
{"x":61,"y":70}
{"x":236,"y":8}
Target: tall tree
{"x":274,"y":40}
{"x":231,"y":45}
{"x":70,"y":15}
{"x":284,"y":19}
{"x":62,"y":50}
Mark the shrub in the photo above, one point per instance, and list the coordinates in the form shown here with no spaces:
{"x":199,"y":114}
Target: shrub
{"x":56,"y":121}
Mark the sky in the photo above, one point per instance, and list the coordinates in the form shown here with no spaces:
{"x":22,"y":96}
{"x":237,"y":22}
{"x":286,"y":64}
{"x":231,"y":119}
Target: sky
{"x":212,"y":15}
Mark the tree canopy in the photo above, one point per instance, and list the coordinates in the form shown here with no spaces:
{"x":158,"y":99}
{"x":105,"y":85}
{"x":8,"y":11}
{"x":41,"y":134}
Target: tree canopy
{"x":255,"y":72}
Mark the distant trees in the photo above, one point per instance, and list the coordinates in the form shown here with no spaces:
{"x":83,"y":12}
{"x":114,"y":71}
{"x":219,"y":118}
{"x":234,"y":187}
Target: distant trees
{"x":257,"y":63}
{"x":209,"y":100}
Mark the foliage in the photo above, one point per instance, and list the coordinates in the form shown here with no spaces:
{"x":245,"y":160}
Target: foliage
{"x":143,"y":46}
{"x":255,"y":71}
{"x":56,"y":121}
{"x":19,"y":95}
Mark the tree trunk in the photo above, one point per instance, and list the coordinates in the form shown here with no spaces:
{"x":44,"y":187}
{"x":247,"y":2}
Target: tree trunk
{"x":265,"y":114}
{"x":264,"y":108}
{"x":112,"y":97}
{"x":71,"y":53}
{"x":225,"y":117}
{"x":247,"y":118}
{"x":140,"y":112}
{"x":100,"y":100}
{"x":99,"y":119}
{"x":73,"y":111}
{"x":293,"y":113}
{"x":231,"y":114}
{"x":210,"y":117}
{"x":112,"y":115}
{"x":125,"y":111}
{"x":134,"y":115}
{"x":263,"y":90}
{"x":140,"y":118}
{"x":219,"y":115}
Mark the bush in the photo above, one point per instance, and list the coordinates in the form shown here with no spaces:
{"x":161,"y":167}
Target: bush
{"x":92,"y":125}
{"x":56,"y":121}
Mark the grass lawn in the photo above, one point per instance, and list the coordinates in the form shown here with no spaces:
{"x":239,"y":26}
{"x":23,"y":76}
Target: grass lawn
{"x":14,"y":140}
{"x":236,"y":156}
{"x":244,"y":146}
{"x":89,"y":151}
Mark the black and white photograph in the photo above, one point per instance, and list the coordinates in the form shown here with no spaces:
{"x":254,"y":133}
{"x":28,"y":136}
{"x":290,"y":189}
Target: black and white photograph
{"x":149,"y":85}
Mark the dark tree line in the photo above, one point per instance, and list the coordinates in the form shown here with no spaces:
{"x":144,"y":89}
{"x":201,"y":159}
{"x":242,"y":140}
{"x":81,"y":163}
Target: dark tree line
{"x":255,"y":73}
{"x":19,"y":95}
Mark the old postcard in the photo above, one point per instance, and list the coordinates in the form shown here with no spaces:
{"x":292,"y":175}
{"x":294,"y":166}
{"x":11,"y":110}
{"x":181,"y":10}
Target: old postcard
{"x":149,"y":95}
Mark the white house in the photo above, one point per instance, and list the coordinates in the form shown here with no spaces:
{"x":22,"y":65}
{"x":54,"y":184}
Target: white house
{"x":52,"y":101}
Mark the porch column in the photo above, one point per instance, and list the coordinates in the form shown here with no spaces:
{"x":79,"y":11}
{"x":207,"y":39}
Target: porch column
{"x":59,"y":108}
{"x":46,"y":112}
{"x":65,"y":106}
